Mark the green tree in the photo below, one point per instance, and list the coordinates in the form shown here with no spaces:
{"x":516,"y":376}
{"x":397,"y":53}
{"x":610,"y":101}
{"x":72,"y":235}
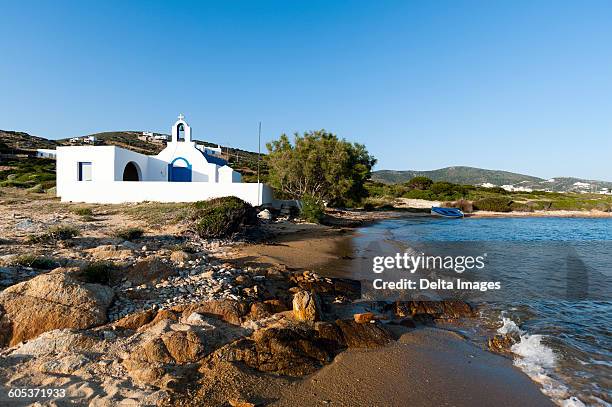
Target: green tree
{"x":420,"y":183}
{"x":319,"y":164}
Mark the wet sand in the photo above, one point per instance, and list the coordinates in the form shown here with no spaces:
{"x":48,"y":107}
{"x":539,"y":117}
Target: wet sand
{"x":302,"y":246}
{"x":425,"y":367}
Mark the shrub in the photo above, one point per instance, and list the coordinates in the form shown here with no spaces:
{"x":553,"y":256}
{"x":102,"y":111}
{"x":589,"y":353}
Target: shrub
{"x":312,"y":209}
{"x":37,"y":262}
{"x":448,"y":190}
{"x":55,"y":233}
{"x":37,"y":189}
{"x":99,"y":272}
{"x":420,"y":183}
{"x":463,"y":204}
{"x":222,"y":217}
{"x":62,"y":232}
{"x":130,"y":233}
{"x":368,"y":206}
{"x":521,"y":207}
{"x":183,"y":247}
{"x":498,"y":190}
{"x":418,"y":194}
{"x":83,"y":211}
{"x":494,"y":204}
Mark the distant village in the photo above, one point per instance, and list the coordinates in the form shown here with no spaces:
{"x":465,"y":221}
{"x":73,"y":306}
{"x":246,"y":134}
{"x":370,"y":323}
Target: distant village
{"x":147,"y":136}
{"x":579,"y":187}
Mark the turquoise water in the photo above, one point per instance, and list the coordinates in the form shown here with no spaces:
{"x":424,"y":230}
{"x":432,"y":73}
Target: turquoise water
{"x":563,"y":343}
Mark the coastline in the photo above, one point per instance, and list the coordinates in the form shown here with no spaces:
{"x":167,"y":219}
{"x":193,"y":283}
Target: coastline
{"x":542,"y":214}
{"x":425,"y":366}
{"x":219,"y":277}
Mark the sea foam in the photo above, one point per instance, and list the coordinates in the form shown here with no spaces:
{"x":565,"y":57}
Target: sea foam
{"x":537,"y":361}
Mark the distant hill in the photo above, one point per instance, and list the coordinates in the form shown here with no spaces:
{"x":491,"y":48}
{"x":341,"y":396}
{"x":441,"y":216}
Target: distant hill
{"x":457,"y":175}
{"x":125,"y":139}
{"x":478,"y":176}
{"x":15,"y":142}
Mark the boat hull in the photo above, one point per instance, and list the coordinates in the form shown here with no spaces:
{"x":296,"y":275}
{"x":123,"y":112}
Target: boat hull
{"x":451,"y":213}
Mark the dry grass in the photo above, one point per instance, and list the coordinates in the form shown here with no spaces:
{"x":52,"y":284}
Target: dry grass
{"x":156,"y":213}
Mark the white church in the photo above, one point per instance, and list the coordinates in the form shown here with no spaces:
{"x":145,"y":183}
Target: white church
{"x":181,"y":172}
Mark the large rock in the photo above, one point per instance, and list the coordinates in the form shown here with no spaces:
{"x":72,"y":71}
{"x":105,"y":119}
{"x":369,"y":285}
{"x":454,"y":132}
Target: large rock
{"x":184,"y":347}
{"x":52,"y":301}
{"x":135,"y":321}
{"x":435,"y":309}
{"x":60,"y":341}
{"x":180,"y":256}
{"x":153,"y":363}
{"x":150,"y":270}
{"x":165,"y":355}
{"x":265,"y":214}
{"x":306,"y":306}
{"x":358,"y":335}
{"x":290,"y":350}
{"x":327,"y":286}
{"x":266,"y":309}
{"x":365,"y":317}
{"x":226,"y":310}
{"x":110,"y":252}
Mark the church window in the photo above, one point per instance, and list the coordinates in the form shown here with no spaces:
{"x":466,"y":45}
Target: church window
{"x":85,"y":171}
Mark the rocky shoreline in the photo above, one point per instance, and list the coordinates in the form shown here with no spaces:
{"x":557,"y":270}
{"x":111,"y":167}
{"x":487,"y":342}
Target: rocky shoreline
{"x":265,"y":319}
{"x":172,"y":319}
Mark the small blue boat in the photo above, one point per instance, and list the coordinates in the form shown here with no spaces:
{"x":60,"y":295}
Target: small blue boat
{"x":446,"y":212}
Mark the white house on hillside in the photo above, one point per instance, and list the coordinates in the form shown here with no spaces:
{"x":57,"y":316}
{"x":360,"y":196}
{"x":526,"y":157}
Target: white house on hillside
{"x":181,"y":172}
{"x":45,"y":153}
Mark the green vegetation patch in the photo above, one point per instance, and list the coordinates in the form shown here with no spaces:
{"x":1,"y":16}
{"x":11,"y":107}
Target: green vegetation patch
{"x":490,"y":199}
{"x":131,"y":233}
{"x":54,"y":234}
{"x":222,"y":217}
{"x":312,"y":210}
{"x":100,"y":272}
{"x":320,"y":164}
{"x":37,"y":173}
{"x":33,"y":261}
{"x":156,"y":213}
{"x":83,"y":211}
{"x":493,"y":204}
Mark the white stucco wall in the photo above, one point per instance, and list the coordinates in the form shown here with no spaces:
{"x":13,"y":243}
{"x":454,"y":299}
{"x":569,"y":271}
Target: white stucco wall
{"x":228,"y":175}
{"x":126,"y":191}
{"x":123,"y":157}
{"x":101,"y":157}
{"x":108,"y":163}
{"x":201,"y":170}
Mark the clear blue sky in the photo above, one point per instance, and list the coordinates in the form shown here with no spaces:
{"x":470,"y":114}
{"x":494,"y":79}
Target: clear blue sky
{"x":523,"y":86}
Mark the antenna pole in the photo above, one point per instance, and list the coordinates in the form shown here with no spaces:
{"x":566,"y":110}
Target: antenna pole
{"x":258,"y":150}
{"x":258,"y":158}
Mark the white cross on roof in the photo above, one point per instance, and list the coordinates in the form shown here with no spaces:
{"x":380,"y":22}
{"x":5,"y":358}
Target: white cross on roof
{"x":181,"y":117}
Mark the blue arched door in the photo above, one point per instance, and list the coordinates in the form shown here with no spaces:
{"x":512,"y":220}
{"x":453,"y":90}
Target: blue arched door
{"x":179,"y":170}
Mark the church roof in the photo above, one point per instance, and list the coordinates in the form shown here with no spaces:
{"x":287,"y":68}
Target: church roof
{"x":214,"y":160}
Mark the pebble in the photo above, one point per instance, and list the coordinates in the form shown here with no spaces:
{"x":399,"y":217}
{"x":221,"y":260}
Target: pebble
{"x":201,"y":279}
